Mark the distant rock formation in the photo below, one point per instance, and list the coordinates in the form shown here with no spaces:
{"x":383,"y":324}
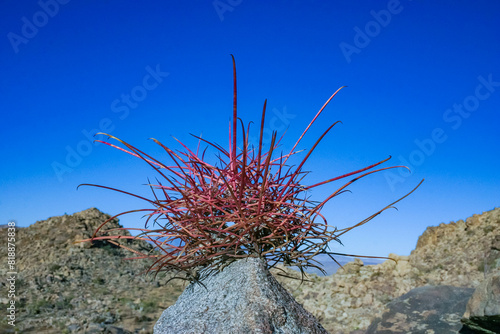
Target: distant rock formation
{"x":456,"y":253}
{"x":242,"y":298}
{"x":64,"y":287}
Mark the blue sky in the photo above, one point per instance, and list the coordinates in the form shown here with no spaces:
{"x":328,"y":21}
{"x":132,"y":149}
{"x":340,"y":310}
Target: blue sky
{"x":423,"y":83}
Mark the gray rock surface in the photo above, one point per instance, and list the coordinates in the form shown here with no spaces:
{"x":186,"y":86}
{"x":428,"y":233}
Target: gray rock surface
{"x":492,"y":258}
{"x":427,"y":309}
{"x":242,"y":298}
{"x":483,"y":309}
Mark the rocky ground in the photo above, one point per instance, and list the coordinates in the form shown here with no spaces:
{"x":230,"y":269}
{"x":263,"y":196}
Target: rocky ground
{"x":81,"y":288}
{"x":64,"y":287}
{"x":455,"y":254}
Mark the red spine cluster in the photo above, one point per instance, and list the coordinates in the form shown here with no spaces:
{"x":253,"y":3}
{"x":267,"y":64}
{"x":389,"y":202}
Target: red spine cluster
{"x":249,"y":203}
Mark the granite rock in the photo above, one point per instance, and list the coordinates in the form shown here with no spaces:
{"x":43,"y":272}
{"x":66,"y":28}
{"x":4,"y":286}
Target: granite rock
{"x":483,"y":309}
{"x":242,"y":298}
{"x":427,"y":309}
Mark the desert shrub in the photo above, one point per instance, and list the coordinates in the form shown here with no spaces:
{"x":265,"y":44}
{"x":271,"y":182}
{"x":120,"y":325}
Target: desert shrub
{"x":488,"y":229}
{"x":98,"y":280}
{"x":54,"y":267}
{"x":64,"y":303}
{"x":40,"y":306}
{"x":149,"y":306}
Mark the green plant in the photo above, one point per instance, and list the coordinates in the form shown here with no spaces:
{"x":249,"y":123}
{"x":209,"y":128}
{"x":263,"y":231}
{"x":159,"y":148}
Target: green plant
{"x":488,"y":229}
{"x":98,"y":280}
{"x":54,"y":267}
{"x":64,"y":303}
{"x":252,"y":202}
{"x":149,"y":306}
{"x":39,"y":306}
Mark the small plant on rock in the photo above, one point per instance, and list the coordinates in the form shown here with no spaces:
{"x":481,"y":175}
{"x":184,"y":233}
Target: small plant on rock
{"x":251,"y":203}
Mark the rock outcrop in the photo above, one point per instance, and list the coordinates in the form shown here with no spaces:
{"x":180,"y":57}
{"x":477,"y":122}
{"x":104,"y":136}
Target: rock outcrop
{"x":427,"y":309}
{"x":350,"y":299}
{"x":483,"y":309}
{"x":242,"y":298}
{"x":64,"y":287}
{"x":456,"y":254}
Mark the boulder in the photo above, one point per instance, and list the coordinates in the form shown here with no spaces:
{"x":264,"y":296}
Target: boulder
{"x":440,"y":262}
{"x":492,"y":258}
{"x":483,"y":309}
{"x":427,"y":309}
{"x":242,"y":298}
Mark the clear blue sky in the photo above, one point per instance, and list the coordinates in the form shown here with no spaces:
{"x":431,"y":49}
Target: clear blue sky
{"x":423,"y":83}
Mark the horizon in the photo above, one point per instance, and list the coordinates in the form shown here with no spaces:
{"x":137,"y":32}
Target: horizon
{"x":423,"y":86}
